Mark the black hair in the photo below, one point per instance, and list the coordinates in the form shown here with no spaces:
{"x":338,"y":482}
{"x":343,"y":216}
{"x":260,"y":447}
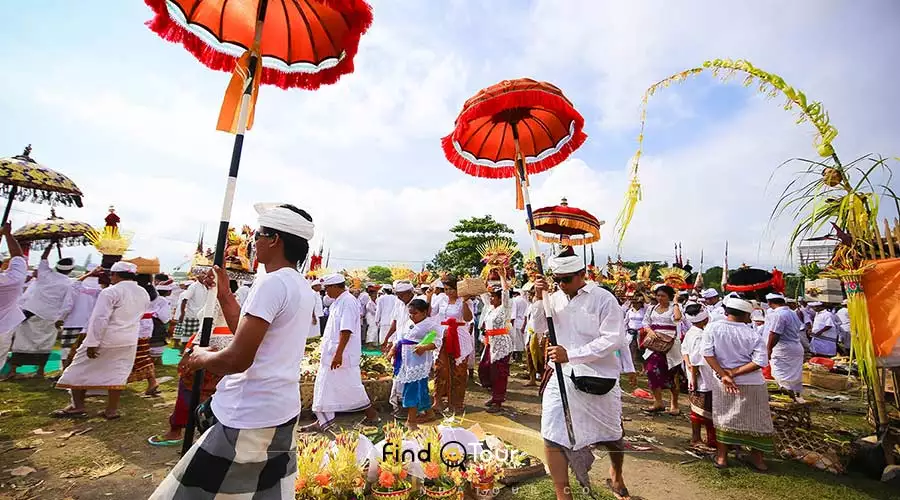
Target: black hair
{"x":387,"y":291}
{"x":779,"y":301}
{"x":161,"y":277}
{"x":233,"y":285}
{"x":125,"y":276}
{"x":146,"y":282}
{"x":451,"y":281}
{"x":692,"y":309}
{"x":736,"y":312}
{"x":419,"y":305}
{"x":295,"y":247}
{"x":667,"y":290}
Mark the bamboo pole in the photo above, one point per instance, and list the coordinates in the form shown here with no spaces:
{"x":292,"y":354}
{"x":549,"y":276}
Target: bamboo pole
{"x":890,"y":240}
{"x":878,"y":239}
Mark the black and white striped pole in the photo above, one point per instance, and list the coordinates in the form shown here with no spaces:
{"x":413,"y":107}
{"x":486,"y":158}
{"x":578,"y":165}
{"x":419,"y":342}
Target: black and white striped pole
{"x":545,"y":297}
{"x":227,"y":204}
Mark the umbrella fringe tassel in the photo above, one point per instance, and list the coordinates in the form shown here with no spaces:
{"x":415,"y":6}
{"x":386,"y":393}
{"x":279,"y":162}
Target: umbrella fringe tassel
{"x":488,"y":172}
{"x":359,"y":19}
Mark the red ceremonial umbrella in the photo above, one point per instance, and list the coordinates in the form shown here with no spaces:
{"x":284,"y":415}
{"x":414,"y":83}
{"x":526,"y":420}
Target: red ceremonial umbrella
{"x":287,"y":43}
{"x":512,"y":129}
{"x":565,"y":225}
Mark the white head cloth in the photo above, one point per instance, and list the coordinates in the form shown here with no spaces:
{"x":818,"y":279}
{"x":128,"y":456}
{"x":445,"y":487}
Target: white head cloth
{"x":402,"y":286}
{"x":757,"y":315}
{"x":709,"y":293}
{"x":566,"y":265}
{"x":815,"y":304}
{"x":733,"y":295}
{"x":739,"y":304}
{"x":123,"y":267}
{"x":437,"y":284}
{"x":696,"y":318}
{"x":273,"y":216}
{"x":774,"y":296}
{"x":333,"y":279}
{"x":165,"y":288}
{"x":65,"y":267}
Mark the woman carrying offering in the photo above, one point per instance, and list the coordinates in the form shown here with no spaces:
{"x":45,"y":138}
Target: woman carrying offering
{"x":451,"y":365}
{"x":661,"y":341}
{"x":493,"y":370}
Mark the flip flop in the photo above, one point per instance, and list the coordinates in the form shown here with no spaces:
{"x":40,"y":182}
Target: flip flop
{"x":653,"y":410}
{"x":154,"y":392}
{"x":158,"y":441}
{"x":66,"y":413}
{"x":719,"y":466}
{"x":102,"y":414}
{"x":621,"y":494}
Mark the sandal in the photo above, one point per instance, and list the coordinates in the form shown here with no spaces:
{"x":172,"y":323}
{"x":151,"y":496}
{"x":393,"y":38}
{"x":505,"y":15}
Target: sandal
{"x":158,"y":440}
{"x":68,"y":413}
{"x":719,"y":466}
{"x":620,"y":494}
{"x":652,"y":410}
{"x":152,"y":392}
{"x":102,"y":414}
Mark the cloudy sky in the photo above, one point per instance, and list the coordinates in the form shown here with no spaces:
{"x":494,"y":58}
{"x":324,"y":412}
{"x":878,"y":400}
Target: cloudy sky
{"x":131,"y":118}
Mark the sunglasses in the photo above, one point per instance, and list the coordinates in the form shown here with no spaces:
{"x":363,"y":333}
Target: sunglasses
{"x":565,"y":279}
{"x":260,"y":234}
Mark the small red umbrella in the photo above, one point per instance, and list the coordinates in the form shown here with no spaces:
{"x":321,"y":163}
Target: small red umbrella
{"x":565,"y":225}
{"x":511,"y":129}
{"x":287,"y":43}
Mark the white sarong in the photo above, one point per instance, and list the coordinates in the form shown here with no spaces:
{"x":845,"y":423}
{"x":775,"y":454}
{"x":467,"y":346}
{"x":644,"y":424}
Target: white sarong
{"x":109,"y":370}
{"x":787,"y":365}
{"x":595,"y":419}
{"x":383,"y":332}
{"x":339,"y":390}
{"x":35,"y":336}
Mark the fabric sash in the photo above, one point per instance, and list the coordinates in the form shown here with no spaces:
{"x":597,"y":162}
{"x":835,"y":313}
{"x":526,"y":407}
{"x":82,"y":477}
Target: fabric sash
{"x":148,"y":315}
{"x":493,"y":333}
{"x":398,"y":354}
{"x":451,"y":337}
{"x":670,"y":328}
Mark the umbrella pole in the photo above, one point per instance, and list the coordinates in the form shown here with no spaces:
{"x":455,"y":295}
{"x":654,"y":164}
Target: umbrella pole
{"x":227,"y":204}
{"x":551,"y":330}
{"x":12,"y":195}
{"x":58,"y":250}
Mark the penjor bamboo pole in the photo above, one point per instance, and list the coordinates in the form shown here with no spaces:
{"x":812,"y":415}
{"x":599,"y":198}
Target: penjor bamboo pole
{"x":545,"y":297}
{"x":227,"y":204}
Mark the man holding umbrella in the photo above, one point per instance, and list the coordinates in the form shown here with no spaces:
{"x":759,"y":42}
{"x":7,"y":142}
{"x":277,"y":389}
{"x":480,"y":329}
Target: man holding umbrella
{"x":47,"y":304}
{"x":589,"y":330}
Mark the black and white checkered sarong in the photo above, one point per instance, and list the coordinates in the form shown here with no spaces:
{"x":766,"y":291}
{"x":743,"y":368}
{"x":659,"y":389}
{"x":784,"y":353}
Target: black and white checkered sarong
{"x":236,"y":463}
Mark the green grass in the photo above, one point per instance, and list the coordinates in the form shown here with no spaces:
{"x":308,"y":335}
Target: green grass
{"x":541,"y":489}
{"x":791,"y":480}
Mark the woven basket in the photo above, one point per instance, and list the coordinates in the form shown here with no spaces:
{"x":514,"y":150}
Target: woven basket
{"x":392,"y":495}
{"x":520,"y":474}
{"x":440,"y":494}
{"x":470,"y":287}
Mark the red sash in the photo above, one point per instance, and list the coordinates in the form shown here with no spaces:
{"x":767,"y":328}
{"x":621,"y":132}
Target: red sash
{"x":451,"y":337}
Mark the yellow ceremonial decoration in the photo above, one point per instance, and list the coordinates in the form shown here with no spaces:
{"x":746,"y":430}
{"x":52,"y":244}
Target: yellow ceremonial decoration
{"x":496,"y":255}
{"x":402,"y":273}
{"x":769,"y":84}
{"x":111,"y":241}
{"x":673,"y":276}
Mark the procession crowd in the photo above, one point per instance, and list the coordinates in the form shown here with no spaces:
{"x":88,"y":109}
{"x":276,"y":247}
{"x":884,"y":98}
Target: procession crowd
{"x":113,"y":325}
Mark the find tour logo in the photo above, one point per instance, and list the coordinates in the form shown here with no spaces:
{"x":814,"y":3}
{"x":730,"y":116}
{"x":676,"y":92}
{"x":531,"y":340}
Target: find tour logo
{"x":452,"y":454}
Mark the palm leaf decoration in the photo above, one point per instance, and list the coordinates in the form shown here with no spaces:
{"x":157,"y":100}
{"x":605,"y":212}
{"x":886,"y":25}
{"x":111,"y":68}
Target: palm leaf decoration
{"x":768,"y":84}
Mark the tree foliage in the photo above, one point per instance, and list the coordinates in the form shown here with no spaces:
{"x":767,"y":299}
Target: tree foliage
{"x":379,"y":274}
{"x":460,"y":255}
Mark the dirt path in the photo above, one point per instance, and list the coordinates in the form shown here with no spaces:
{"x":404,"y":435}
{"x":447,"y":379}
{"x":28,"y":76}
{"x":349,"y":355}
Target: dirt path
{"x":95,"y":459}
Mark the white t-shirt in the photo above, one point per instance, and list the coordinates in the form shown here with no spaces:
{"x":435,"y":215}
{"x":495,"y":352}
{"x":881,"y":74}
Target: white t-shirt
{"x":12,"y":282}
{"x":268,"y":393}
{"x":195,"y":297}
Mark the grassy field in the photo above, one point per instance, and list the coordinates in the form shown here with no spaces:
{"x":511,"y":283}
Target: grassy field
{"x":98,"y":459}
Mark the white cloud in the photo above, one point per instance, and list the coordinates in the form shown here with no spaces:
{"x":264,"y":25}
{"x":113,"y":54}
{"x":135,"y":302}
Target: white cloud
{"x":363,"y":155}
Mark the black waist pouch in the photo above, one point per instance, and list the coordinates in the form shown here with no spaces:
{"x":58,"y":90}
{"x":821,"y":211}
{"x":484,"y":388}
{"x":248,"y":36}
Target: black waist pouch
{"x":597,"y":386}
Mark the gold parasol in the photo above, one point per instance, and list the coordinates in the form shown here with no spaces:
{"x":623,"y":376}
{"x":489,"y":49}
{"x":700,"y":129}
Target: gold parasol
{"x":54,"y":229}
{"x":23,"y":179}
